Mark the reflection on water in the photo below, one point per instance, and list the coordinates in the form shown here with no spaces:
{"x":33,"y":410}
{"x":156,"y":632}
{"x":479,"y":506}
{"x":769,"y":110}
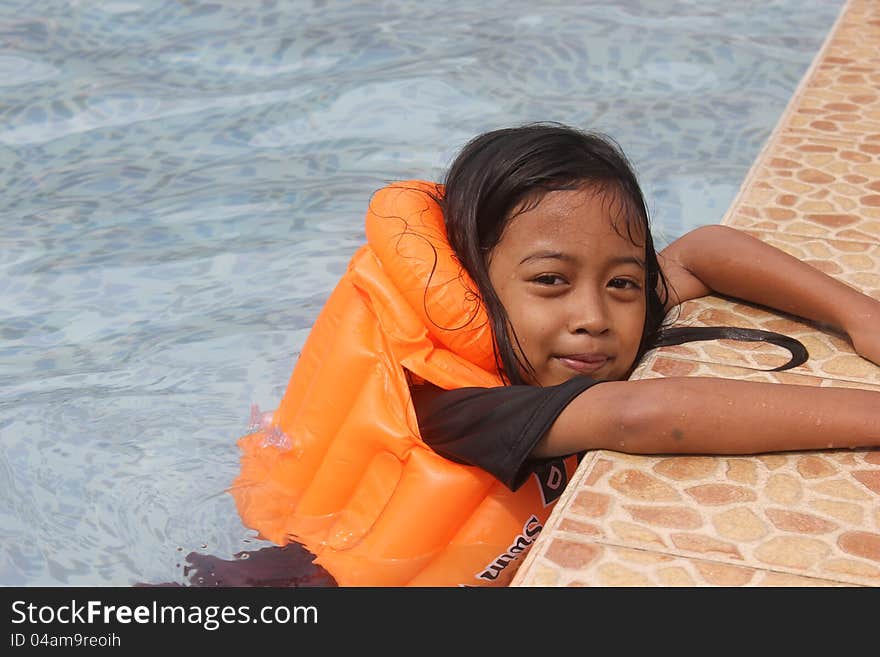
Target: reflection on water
{"x":183,"y":183}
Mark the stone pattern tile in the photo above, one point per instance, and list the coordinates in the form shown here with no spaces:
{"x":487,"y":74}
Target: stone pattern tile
{"x":840,"y":98}
{"x":856,"y":263}
{"x":819,"y":174}
{"x":831,"y":354}
{"x":570,"y":561}
{"x":793,"y":519}
{"x":716,"y":520}
{"x":817,"y":186}
{"x":664,"y":365}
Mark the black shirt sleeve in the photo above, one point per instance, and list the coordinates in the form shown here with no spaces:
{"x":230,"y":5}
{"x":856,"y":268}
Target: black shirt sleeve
{"x":495,"y":429}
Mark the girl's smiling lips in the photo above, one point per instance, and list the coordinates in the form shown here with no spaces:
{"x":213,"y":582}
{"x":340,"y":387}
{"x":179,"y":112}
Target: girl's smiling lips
{"x":584,"y":363}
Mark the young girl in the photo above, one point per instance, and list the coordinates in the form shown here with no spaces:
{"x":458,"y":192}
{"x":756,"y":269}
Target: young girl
{"x":483,"y":339}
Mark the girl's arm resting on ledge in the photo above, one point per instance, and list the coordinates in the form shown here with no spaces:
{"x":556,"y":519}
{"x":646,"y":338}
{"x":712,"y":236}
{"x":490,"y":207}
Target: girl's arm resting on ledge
{"x":730,"y":262}
{"x":697,"y":415}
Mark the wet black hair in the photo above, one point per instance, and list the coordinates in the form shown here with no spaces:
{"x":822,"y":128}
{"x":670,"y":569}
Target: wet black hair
{"x":503,"y":172}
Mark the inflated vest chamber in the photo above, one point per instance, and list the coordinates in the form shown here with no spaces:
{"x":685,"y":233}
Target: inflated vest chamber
{"x":343,"y":469}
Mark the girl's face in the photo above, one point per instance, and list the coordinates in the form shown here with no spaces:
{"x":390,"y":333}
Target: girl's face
{"x":573,"y":288}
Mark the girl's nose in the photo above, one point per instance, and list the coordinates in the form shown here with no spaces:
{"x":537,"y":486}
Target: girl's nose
{"x":589,"y":315}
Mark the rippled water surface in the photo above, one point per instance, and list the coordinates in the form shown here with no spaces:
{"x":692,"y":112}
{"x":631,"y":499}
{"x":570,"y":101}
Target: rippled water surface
{"x":181,"y":184}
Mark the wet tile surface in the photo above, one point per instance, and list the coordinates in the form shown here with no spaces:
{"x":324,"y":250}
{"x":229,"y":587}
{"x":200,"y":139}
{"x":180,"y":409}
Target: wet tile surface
{"x":830,"y":353}
{"x":792,"y":519}
{"x":817,"y":186}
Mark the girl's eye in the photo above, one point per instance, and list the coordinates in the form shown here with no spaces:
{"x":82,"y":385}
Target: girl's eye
{"x":623,"y":284}
{"x":549,"y":279}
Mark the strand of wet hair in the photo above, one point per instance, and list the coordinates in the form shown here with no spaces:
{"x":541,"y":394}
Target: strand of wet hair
{"x":669,"y":337}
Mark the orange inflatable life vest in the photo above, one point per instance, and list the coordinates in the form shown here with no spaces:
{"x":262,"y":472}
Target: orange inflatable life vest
{"x":343,"y":469}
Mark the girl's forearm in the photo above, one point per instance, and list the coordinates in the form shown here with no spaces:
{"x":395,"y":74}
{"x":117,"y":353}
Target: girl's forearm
{"x":734,"y":263}
{"x":694,"y":415}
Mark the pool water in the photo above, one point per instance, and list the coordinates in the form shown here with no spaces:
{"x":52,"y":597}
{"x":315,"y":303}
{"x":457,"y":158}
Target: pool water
{"x":183,"y":183}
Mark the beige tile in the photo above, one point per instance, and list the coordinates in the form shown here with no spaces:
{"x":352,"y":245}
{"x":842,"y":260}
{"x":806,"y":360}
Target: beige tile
{"x":841,"y":96}
{"x":819,"y":173}
{"x":814,"y":186}
{"x":831,"y":354}
{"x":804,"y":514}
{"x":856,"y":263}
{"x":611,"y":565}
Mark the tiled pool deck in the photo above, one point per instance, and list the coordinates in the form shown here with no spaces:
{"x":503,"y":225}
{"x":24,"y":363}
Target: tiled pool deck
{"x":793,"y":519}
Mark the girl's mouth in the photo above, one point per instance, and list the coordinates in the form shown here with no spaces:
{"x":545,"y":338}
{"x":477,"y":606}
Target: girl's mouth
{"x":584,"y":363}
